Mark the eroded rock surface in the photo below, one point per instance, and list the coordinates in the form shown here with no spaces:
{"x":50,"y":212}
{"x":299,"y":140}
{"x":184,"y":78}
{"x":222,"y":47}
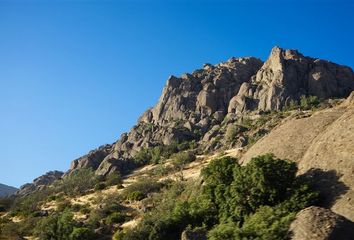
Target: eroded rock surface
{"x":315,"y":223}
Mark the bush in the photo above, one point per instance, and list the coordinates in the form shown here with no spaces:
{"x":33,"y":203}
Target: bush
{"x":256,"y":201}
{"x":119,"y":235}
{"x":115,"y":218}
{"x":57,"y":226}
{"x":82,"y":233}
{"x":231,"y":133}
{"x":309,"y":102}
{"x":179,"y":205}
{"x":140,"y":189}
{"x":113,"y":179}
{"x":135,"y":196}
{"x":100,"y":186}
{"x":77,"y":182}
{"x":181,"y":159}
{"x":157,"y":154}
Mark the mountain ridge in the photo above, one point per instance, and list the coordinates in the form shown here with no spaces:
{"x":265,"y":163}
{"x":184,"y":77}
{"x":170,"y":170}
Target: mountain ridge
{"x":6,"y":190}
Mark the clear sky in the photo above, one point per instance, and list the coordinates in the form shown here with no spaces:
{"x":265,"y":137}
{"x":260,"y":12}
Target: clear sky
{"x":76,"y":74}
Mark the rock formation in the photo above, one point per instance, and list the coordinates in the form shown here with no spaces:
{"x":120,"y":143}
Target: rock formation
{"x":286,"y":75}
{"x":40,"y":182}
{"x":315,"y":223}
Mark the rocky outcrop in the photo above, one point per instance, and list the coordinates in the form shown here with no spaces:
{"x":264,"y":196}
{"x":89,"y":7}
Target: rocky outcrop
{"x":322,"y":145}
{"x":286,"y":75}
{"x":93,"y":159}
{"x":6,"y":190}
{"x":204,"y":92}
{"x":315,"y":223}
{"x":40,"y":182}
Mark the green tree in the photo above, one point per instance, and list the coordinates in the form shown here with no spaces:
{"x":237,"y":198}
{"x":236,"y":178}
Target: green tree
{"x":266,"y":180}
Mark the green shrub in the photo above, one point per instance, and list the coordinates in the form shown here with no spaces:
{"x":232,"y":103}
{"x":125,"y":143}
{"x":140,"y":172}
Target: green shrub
{"x":256,"y":201}
{"x":181,"y":159}
{"x":135,"y":196}
{"x":140,"y":189}
{"x":119,"y":235}
{"x":224,"y":231}
{"x":308,"y":102}
{"x":77,"y":182}
{"x":100,"y":186}
{"x":57,"y":226}
{"x":82,"y":233}
{"x":113,"y":179}
{"x":115,"y":218}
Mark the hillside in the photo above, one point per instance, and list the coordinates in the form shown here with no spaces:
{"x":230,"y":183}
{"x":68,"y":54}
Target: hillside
{"x":243,"y":149}
{"x":6,"y":190}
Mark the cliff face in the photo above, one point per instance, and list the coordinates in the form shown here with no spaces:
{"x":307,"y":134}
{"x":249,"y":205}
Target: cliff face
{"x":193,"y":106}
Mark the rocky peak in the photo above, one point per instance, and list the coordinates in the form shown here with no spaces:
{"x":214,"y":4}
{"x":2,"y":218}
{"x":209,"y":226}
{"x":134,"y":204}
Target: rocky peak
{"x":287,"y":75}
{"x":203,"y":92}
{"x":193,"y":106}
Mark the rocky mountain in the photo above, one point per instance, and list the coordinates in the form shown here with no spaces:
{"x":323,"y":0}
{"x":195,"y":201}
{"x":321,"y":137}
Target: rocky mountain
{"x":197,"y":106}
{"x":6,"y":190}
{"x":39,"y":182}
{"x":296,"y":107}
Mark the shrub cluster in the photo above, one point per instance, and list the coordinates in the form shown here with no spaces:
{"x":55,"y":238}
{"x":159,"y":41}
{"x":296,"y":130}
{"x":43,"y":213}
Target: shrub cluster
{"x":159,"y":153}
{"x":256,"y":201}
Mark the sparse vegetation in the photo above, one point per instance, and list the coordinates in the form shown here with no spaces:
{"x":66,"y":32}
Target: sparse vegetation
{"x":257,"y":201}
{"x":158,"y":154}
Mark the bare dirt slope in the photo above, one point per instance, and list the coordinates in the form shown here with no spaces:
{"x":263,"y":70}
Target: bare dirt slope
{"x":323,"y":146}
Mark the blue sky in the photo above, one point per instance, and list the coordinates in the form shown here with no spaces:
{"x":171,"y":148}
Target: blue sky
{"x":76,"y":74}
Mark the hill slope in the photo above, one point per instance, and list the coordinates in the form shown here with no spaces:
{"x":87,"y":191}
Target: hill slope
{"x":148,"y":184}
{"x":6,"y":190}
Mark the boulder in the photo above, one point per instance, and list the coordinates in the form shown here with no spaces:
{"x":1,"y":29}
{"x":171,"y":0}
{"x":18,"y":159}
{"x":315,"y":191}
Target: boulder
{"x":195,"y":234}
{"x":315,"y":223}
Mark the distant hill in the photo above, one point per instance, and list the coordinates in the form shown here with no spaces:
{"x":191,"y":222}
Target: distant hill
{"x":6,"y":190}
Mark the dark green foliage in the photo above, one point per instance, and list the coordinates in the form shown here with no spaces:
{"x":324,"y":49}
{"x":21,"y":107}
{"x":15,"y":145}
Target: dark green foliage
{"x":77,"y":183}
{"x":182,"y":158}
{"x":82,"y":233}
{"x":179,"y":205}
{"x":113,"y":179}
{"x":306,"y":103}
{"x":6,"y":203}
{"x":135,"y":196}
{"x":100,"y":186}
{"x":159,"y":153}
{"x":256,"y":201}
{"x":25,"y":206}
{"x":309,"y":102}
{"x":57,"y":226}
{"x":140,"y":189}
{"x":264,"y":181}
{"x":115,"y":217}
